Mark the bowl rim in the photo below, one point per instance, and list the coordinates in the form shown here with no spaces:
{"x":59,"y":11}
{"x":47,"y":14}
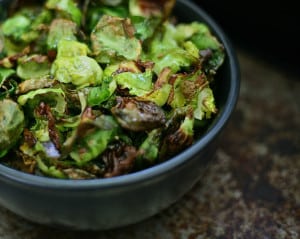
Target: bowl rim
{"x":219,"y":123}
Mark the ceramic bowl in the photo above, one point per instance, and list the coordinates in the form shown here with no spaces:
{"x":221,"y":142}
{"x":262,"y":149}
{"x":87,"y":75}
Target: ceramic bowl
{"x":100,"y":204}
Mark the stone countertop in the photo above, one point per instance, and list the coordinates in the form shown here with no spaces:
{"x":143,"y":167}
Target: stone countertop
{"x":251,"y":191}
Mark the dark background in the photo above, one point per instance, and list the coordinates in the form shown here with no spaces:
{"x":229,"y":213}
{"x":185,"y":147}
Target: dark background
{"x":269,"y":29}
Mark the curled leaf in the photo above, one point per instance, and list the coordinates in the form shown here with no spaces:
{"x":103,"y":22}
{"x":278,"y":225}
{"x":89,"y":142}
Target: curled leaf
{"x":119,"y":159}
{"x":177,"y":139}
{"x":81,"y":71}
{"x":33,"y":67}
{"x":205,"y":105}
{"x":11,"y":124}
{"x":138,"y":115}
{"x":52,"y":96}
{"x":113,"y":39}
{"x":35,"y":84}
{"x":61,"y":29}
{"x":67,"y":9}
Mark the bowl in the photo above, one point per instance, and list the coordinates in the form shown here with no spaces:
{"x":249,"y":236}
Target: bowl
{"x":99,"y":204}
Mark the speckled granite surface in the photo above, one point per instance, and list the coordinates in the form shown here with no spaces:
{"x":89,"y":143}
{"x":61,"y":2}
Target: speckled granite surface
{"x":252,"y":190}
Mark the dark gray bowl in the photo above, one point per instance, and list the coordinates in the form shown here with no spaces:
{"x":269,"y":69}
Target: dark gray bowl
{"x":115,"y":202}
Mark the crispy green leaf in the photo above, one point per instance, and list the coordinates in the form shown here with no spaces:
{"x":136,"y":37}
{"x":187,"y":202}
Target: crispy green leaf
{"x":113,"y":40}
{"x":145,"y":27}
{"x":150,"y":148}
{"x":91,"y":146}
{"x":55,"y":97}
{"x":66,"y":8}
{"x":16,"y":26}
{"x":35,"y":84}
{"x":97,"y":95}
{"x":33,"y":67}
{"x":51,"y":170}
{"x":5,"y":74}
{"x":81,"y":71}
{"x":94,"y":13}
{"x":71,"y":48}
{"x":167,"y":52}
{"x":161,"y":90}
{"x":94,"y":141}
{"x":61,"y":29}
{"x":204,"y":40}
{"x":205,"y":105}
{"x":11,"y":124}
{"x":175,"y":59}
{"x":186,"y":88}
{"x":72,"y":65}
{"x":138,"y":83}
{"x":159,"y":96}
{"x":24,"y":27}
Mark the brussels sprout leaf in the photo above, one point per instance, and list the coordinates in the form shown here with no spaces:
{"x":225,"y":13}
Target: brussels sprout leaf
{"x":33,"y":67}
{"x":66,"y":8}
{"x":61,"y":29}
{"x":113,"y":39}
{"x":11,"y":124}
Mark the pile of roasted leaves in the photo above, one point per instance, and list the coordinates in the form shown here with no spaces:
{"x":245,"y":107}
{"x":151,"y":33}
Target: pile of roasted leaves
{"x":97,"y":89}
